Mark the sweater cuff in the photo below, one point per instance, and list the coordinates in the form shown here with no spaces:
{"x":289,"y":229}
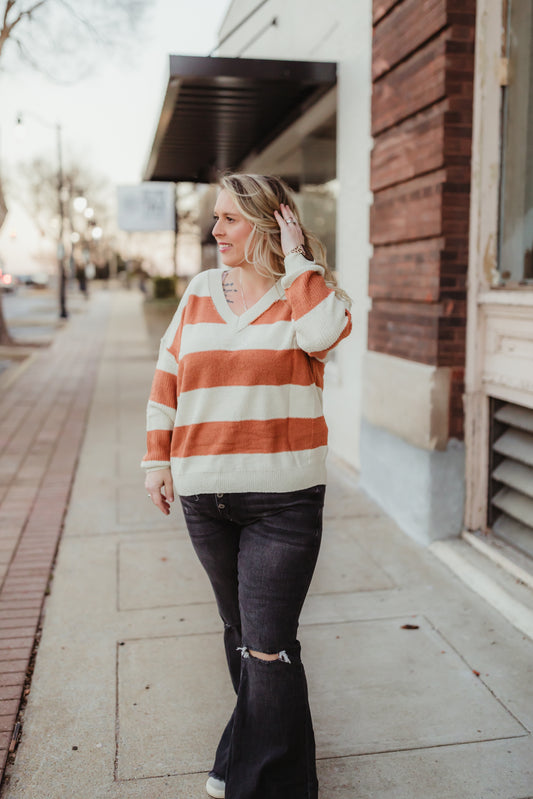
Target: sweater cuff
{"x":296,"y":265}
{"x":154,"y":466}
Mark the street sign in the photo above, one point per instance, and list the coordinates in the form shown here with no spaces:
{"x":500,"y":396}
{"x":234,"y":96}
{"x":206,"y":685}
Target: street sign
{"x":146,"y":207}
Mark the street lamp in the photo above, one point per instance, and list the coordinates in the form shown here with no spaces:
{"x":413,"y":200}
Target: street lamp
{"x":61,"y":208}
{"x":80,"y":204}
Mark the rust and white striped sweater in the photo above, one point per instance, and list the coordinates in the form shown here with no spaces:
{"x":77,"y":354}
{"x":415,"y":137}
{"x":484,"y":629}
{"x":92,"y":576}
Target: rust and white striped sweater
{"x":236,"y":401}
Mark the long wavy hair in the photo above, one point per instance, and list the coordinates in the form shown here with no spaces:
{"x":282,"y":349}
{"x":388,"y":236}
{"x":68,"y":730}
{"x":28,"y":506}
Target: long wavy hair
{"x":257,"y":197}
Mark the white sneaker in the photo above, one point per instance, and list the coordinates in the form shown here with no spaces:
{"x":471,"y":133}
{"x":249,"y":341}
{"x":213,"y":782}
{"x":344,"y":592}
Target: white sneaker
{"x":215,"y":788}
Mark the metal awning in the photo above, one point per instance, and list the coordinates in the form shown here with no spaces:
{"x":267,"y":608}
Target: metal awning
{"x":218,"y":111}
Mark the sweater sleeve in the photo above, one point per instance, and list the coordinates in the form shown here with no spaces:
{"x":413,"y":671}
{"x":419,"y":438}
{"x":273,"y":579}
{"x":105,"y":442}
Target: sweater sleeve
{"x":321,"y":319}
{"x":163,"y":400}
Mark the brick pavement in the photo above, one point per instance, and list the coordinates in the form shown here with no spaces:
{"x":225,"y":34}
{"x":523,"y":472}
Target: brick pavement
{"x":43,"y":415}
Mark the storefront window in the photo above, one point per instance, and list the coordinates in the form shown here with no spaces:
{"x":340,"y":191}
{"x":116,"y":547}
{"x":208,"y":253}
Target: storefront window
{"x":318,"y":186}
{"x":516,"y":207}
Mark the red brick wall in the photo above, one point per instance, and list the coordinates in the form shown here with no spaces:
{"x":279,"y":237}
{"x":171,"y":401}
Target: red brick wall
{"x":422,"y":69}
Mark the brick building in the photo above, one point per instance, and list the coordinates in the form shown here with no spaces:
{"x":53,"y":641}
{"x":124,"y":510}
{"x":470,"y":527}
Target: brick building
{"x":412,"y":428}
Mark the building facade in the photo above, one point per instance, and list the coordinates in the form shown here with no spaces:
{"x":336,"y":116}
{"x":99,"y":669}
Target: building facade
{"x":325,"y":153}
{"x":394,"y":398}
{"x":412,"y":451}
{"x":412,"y":164}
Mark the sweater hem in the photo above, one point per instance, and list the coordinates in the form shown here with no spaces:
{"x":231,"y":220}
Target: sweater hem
{"x":278,"y":481}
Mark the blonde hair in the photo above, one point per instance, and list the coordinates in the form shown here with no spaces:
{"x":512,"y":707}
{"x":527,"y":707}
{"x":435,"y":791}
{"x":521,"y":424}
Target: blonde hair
{"x":257,"y":197}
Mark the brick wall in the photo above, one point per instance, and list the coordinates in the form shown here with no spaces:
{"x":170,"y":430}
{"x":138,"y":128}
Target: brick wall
{"x":422,"y":70}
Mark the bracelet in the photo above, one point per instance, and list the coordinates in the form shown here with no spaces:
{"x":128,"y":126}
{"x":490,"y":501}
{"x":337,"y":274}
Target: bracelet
{"x":300,"y":249}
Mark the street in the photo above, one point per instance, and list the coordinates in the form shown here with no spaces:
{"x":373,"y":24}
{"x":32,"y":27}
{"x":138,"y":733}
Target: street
{"x":30,"y":312}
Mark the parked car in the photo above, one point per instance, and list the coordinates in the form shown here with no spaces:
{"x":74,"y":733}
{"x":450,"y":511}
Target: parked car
{"x":40,"y":280}
{"x":37,"y":279}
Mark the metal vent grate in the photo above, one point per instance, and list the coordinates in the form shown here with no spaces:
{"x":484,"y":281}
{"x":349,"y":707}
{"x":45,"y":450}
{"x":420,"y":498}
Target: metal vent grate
{"x":511,"y":510}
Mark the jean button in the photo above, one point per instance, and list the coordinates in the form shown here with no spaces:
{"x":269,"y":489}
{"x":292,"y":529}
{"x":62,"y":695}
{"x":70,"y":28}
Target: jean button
{"x":220,"y":495}
{"x":221,"y":506}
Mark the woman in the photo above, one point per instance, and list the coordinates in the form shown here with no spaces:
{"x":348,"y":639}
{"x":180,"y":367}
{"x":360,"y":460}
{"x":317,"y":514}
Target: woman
{"x":235,"y":424}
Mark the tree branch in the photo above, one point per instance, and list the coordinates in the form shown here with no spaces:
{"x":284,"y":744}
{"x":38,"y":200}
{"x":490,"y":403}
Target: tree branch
{"x":84,"y":21}
{"x":58,"y":34}
{"x":27,"y":13}
{"x":7,"y":27}
{"x":9,"y":6}
{"x":26,"y":56}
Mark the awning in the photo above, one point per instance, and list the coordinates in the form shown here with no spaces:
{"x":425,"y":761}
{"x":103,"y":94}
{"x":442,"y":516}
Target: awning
{"x":218,"y":111}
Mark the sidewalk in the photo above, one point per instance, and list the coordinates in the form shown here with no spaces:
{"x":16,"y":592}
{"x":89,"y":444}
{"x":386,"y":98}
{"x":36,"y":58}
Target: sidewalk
{"x":130,"y":691}
{"x":42,"y":421}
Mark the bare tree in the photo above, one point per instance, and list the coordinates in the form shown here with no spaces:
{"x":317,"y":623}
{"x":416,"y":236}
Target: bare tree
{"x":60,"y":38}
{"x":49,"y":35}
{"x":90,"y":237}
{"x":37,"y":191}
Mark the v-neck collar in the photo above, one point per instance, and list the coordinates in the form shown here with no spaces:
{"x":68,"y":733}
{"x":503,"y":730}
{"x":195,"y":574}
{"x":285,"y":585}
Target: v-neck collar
{"x":239,"y":322}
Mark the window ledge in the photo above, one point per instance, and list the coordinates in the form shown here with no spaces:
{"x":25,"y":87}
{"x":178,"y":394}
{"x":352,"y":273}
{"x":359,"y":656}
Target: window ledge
{"x":522,"y":296}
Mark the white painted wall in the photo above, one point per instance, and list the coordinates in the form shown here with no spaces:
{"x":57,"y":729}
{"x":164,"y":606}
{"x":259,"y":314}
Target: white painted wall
{"x":341,"y":31}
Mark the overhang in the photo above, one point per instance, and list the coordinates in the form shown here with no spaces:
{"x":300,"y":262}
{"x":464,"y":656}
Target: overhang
{"x":219,"y":111}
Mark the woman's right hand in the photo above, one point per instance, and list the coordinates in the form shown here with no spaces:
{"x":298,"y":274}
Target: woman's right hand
{"x":160,"y":488}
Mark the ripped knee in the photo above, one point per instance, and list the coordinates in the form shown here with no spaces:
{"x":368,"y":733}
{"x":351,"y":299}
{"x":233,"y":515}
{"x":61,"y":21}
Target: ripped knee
{"x":246,"y":653}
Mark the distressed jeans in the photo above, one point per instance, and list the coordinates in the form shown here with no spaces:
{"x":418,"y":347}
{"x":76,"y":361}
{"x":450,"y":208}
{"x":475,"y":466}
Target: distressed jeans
{"x":259,"y":551}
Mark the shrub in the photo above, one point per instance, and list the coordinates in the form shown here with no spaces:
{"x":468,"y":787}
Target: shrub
{"x":163,"y":287}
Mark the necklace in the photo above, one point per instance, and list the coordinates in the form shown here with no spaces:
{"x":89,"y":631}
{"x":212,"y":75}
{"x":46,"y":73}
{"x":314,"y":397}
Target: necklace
{"x":242,"y":293}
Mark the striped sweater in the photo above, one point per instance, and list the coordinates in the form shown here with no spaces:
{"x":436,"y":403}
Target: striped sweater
{"x":236,"y":401}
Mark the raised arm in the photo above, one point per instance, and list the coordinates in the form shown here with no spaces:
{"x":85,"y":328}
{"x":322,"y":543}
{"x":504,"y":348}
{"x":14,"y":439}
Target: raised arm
{"x":321,"y":318}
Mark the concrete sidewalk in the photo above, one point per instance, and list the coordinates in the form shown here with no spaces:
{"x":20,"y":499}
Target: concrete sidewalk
{"x":130,"y":690}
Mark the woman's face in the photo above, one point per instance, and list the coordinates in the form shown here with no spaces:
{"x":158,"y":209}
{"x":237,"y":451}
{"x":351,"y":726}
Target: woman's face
{"x":231,"y":230}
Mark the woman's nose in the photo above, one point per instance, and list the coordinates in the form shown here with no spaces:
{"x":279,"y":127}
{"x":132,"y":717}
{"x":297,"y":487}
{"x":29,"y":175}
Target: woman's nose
{"x":216,"y":228}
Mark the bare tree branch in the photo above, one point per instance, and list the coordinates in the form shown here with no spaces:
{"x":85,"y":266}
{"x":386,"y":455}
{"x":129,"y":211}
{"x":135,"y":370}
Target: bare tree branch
{"x":8,"y":27}
{"x":26,"y":56}
{"x":58,"y":33}
{"x":9,"y":6}
{"x":85,"y":22}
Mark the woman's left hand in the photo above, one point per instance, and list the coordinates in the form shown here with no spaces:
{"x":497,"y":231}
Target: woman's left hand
{"x":291,"y":232}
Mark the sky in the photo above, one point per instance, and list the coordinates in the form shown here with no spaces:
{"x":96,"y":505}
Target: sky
{"x":108,"y":120}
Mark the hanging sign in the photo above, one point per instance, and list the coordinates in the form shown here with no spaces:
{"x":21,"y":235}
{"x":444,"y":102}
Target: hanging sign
{"x":146,"y":207}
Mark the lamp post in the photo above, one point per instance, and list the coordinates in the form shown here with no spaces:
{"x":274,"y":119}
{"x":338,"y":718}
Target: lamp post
{"x":60,"y":207}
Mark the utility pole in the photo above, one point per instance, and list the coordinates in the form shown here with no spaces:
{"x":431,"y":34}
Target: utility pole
{"x":63,"y":314}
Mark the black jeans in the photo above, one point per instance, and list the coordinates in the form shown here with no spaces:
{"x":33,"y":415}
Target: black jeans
{"x":259,"y":551}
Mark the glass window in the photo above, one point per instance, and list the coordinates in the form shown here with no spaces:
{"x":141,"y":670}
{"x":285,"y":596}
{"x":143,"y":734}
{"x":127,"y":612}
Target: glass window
{"x":318,"y":184}
{"x":516,"y":206}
